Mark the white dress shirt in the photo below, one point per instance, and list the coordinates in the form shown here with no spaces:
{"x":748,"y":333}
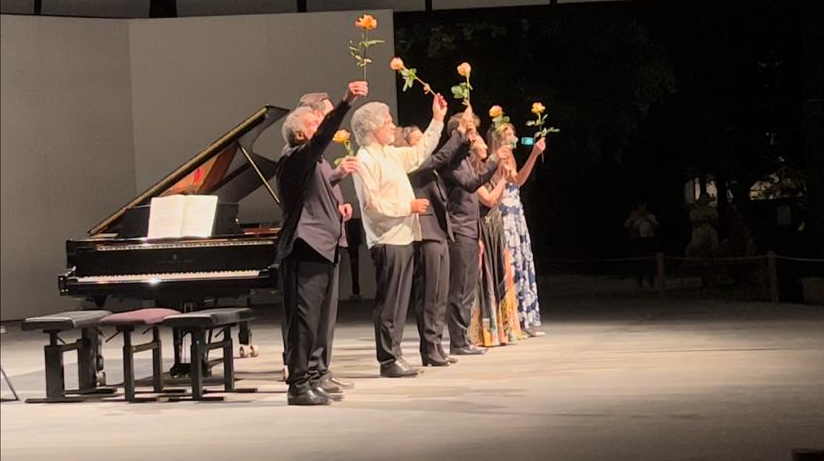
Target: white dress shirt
{"x":384,"y":191}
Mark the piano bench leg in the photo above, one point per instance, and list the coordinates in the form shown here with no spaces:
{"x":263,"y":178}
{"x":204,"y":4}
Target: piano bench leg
{"x":128,"y":363}
{"x":157,"y":360}
{"x":228,"y":360}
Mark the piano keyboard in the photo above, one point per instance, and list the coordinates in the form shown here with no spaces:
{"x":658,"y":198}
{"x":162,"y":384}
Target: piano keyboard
{"x":167,"y":277}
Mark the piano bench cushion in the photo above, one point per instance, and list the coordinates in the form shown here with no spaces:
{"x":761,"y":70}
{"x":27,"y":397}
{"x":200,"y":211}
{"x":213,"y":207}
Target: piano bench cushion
{"x":148,"y":316}
{"x":64,"y":320}
{"x":210,"y":318}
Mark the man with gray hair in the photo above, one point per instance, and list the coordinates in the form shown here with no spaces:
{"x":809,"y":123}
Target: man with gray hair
{"x":389,"y":211}
{"x":310,"y":239}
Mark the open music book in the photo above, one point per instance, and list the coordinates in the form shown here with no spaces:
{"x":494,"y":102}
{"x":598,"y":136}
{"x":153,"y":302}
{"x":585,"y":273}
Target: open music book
{"x":178,"y":216}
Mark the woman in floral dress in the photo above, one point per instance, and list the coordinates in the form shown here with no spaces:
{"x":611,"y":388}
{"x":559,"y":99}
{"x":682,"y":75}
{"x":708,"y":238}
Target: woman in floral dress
{"x":502,"y":140}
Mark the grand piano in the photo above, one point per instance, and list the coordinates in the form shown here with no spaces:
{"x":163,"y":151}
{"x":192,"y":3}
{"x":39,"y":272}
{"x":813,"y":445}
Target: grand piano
{"x":118,"y":260}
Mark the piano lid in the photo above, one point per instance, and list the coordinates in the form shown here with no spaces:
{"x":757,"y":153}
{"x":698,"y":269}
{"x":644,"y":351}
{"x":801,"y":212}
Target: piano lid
{"x":221,"y":169}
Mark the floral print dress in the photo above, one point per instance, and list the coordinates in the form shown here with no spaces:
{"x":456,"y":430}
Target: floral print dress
{"x":523,"y":264}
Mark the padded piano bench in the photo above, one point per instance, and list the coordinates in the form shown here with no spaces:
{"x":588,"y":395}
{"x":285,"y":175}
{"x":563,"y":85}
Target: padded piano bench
{"x":197,"y":324}
{"x":126,"y":322}
{"x":89,"y":361}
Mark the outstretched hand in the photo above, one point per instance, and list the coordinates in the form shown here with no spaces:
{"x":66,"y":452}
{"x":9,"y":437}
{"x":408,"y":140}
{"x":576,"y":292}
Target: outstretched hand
{"x":356,"y":89}
{"x":438,"y":107}
{"x":540,"y":147}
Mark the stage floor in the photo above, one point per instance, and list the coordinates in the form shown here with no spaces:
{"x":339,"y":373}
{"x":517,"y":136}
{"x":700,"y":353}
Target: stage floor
{"x":623,"y":378}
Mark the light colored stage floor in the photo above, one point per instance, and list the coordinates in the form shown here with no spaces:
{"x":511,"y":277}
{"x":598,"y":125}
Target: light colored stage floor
{"x":613,"y":379}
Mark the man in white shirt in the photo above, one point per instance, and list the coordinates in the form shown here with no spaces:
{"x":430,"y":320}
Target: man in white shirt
{"x":389,"y":211}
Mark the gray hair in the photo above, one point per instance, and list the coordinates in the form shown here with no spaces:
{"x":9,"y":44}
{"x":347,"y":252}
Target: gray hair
{"x":314,"y":100}
{"x":294,"y":124}
{"x":368,"y":118}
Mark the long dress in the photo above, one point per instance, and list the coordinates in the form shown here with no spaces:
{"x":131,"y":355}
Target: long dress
{"x":523,"y":264}
{"x":494,"y":320}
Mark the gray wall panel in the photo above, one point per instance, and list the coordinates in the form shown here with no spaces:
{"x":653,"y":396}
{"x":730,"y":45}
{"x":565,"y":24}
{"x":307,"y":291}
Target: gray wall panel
{"x":365,"y":5}
{"x":222,"y":7}
{"x":97,"y":8}
{"x":17,"y":6}
{"x":67,"y":153}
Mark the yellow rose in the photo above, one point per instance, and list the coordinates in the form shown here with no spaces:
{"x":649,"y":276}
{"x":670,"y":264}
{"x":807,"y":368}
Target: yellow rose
{"x":341,"y":137}
{"x":538,"y":108}
{"x":396,"y":64}
{"x":366,"y":22}
{"x":496,"y":111}
{"x":464,"y":69}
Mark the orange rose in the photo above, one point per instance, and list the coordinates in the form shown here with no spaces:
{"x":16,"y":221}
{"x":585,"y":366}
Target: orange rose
{"x":366,"y":22}
{"x":396,"y":64}
{"x":496,"y":111}
{"x":341,"y":137}
{"x":538,"y":108}
{"x":464,"y":69}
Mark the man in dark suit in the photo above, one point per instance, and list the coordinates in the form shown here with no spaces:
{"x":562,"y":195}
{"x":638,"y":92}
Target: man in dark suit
{"x":310,"y":239}
{"x":462,"y":182}
{"x":431,"y":274}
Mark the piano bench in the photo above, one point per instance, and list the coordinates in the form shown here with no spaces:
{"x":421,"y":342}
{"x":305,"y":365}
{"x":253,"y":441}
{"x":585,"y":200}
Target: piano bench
{"x":197,"y":324}
{"x":126,"y":322}
{"x":90,"y":373}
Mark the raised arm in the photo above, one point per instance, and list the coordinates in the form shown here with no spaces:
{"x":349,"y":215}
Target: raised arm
{"x":456,"y":147}
{"x":465,"y":177}
{"x":412,"y":157}
{"x":524,"y":173}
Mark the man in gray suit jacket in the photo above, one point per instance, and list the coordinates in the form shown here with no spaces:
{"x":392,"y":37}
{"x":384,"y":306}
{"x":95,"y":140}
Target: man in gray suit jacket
{"x":431,"y":274}
{"x":310,"y":239}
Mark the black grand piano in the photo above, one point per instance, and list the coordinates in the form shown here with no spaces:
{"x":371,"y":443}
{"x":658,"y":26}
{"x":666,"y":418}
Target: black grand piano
{"x":118,"y":260}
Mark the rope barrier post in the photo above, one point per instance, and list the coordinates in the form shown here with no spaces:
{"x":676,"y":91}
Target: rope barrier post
{"x":772,"y":274}
{"x":659,"y":278}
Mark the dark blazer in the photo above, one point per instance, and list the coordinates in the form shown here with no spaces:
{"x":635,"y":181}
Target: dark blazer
{"x":427,"y":183}
{"x":461,"y":183}
{"x":309,"y":193}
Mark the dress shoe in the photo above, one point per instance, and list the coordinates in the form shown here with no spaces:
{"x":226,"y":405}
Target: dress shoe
{"x":468,"y":350}
{"x":433,"y":362}
{"x":344,"y":384}
{"x":398,"y":369}
{"x":330,"y":387}
{"x":446,"y":356}
{"x":308,"y":397}
{"x":333,"y":396}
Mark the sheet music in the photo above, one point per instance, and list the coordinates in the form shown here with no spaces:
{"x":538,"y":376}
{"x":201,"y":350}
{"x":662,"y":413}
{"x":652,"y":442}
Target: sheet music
{"x":177,"y":216}
{"x":199,"y":216}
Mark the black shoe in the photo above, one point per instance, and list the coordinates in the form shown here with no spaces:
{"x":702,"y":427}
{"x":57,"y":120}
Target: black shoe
{"x":333,"y":396}
{"x":308,"y":397}
{"x":344,"y":384}
{"x":398,"y":369}
{"x":468,"y":350}
{"x":446,"y":356}
{"x":328,"y":386}
{"x":433,"y":362}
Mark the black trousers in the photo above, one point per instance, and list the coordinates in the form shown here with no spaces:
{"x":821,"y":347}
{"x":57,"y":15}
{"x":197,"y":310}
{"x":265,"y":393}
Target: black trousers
{"x":393,"y":274}
{"x":310,"y":298}
{"x":463,"y":279}
{"x":430,"y":289}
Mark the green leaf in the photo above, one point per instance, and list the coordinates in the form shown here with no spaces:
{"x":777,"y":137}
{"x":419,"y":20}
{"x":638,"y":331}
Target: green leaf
{"x":457,"y":91}
{"x":369,"y":43}
{"x":338,"y":161}
{"x":505,"y":119}
{"x":530,"y":123}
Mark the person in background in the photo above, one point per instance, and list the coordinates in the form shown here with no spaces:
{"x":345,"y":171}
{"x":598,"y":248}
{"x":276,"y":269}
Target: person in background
{"x":641,"y":226}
